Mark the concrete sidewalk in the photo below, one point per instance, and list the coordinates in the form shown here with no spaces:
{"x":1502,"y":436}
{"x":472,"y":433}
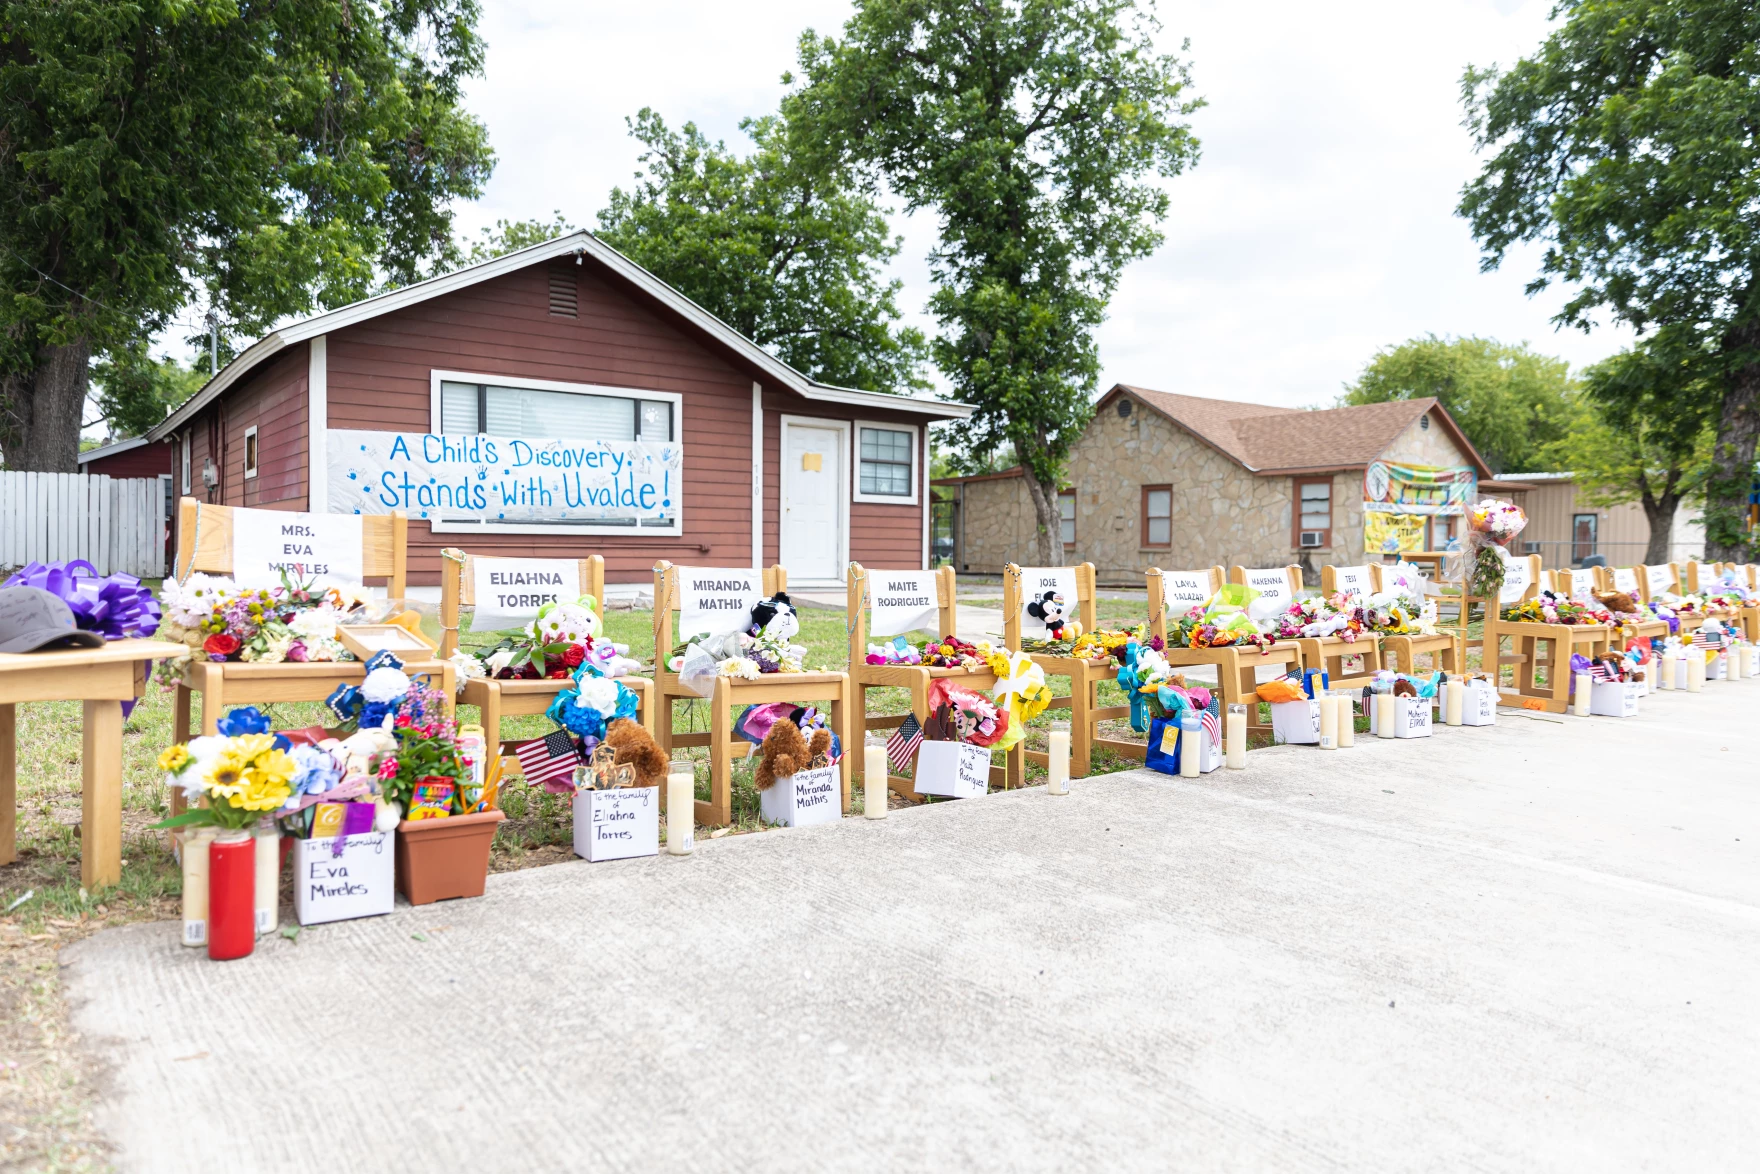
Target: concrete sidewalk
{"x":1532,"y":947}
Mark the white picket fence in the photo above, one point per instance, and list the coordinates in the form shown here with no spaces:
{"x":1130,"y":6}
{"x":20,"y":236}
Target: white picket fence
{"x":116,"y":524}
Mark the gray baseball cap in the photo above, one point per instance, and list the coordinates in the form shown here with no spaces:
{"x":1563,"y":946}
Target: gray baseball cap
{"x":34,"y":620}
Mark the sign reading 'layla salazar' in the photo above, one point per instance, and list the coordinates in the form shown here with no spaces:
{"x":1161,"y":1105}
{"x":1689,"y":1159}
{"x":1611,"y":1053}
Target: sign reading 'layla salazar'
{"x":503,"y":479}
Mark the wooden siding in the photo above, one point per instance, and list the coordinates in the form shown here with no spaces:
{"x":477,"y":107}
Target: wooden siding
{"x":144,"y":460}
{"x":1622,"y":531}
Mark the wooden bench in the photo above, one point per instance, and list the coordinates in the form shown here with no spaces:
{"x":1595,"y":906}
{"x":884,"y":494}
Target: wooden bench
{"x":1528,"y":641}
{"x":1236,"y":666}
{"x":1348,"y":664}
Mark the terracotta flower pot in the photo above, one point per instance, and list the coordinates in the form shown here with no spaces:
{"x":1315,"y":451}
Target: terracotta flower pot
{"x":438,"y":859}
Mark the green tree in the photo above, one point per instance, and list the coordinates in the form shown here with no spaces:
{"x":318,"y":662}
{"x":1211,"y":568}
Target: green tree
{"x":1509,"y":400}
{"x":1627,"y":145}
{"x":134,"y":391}
{"x":258,"y":157}
{"x":777,"y":244}
{"x":1033,"y":130}
{"x":1648,"y":438}
{"x":510,"y":236}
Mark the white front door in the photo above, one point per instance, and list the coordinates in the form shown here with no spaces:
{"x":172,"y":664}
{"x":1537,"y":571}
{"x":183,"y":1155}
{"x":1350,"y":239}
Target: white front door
{"x":813,"y":483}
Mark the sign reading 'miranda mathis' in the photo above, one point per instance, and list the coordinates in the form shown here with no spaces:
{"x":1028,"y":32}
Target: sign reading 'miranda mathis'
{"x":503,"y":479}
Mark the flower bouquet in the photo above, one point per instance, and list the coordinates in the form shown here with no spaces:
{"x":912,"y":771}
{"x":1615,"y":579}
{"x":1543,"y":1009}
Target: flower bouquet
{"x":1100,"y":644}
{"x":950,"y":652}
{"x":268,"y":625}
{"x":1550,"y":608}
{"x":563,"y":637}
{"x":1200,"y":628}
{"x":1156,"y":691}
{"x":1319,"y":616}
{"x":957,"y":714}
{"x":1396,"y":613}
{"x":1492,"y":525}
{"x":244,"y":773}
{"x":410,"y":743}
{"x":1021,"y":688}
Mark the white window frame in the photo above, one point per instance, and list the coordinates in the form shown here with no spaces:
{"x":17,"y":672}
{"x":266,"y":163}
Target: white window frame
{"x":855,"y":472}
{"x":250,"y":470}
{"x":185,"y":446}
{"x":846,"y":435}
{"x":437,"y":377}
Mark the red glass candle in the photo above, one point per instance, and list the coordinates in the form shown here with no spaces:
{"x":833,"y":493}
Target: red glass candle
{"x":232,"y":895}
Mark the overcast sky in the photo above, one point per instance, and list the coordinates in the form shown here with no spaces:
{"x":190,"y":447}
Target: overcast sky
{"x":1317,"y":228}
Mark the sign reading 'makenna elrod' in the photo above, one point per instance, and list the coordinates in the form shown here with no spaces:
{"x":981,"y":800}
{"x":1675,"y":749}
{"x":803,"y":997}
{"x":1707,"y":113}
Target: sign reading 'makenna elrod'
{"x":501,"y":478}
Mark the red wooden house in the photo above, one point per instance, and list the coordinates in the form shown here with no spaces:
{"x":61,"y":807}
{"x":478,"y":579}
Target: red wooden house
{"x":570,"y":339}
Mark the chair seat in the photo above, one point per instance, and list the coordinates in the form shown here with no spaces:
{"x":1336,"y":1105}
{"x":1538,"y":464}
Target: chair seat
{"x":670,"y":686}
{"x":902,"y":676}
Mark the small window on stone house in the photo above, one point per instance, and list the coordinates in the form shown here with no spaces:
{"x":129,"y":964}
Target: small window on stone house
{"x":1158,"y":515}
{"x":1066,"y":512}
{"x":1312,"y":513}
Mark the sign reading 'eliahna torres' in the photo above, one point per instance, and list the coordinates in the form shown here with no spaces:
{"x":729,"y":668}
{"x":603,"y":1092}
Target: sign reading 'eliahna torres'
{"x":504,"y":479}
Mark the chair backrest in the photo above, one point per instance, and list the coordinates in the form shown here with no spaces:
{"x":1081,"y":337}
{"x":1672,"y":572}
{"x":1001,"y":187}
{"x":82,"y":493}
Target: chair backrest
{"x":205,"y":533}
{"x":1700,"y":576}
{"x":1182,"y":589}
{"x":669,"y":595}
{"x":1657,"y":579}
{"x":1579,"y":583}
{"x":1521,"y":580}
{"x":458,"y":585}
{"x":866,"y":587}
{"x":1409,"y":575}
{"x":1019,"y":583}
{"x":1627,"y":579}
{"x":1279,"y":585}
{"x":1350,"y":580}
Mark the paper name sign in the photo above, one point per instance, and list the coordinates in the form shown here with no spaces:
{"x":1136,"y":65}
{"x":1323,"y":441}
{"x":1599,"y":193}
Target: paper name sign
{"x":1704,"y":575}
{"x":716,"y":601}
{"x":509,"y":591}
{"x":1276,"y":592}
{"x":903,"y":601}
{"x":503,"y":478}
{"x":1516,"y":577}
{"x":1583,"y":586}
{"x":617,"y":824}
{"x":1625,"y":579}
{"x":321,"y":547}
{"x":804,"y":798}
{"x":360,"y":882}
{"x":1035,"y":582}
{"x":1660,"y":578}
{"x":953,"y":769}
{"x":1184,"y":590}
{"x":1404,"y":577}
{"x":1351,"y":580}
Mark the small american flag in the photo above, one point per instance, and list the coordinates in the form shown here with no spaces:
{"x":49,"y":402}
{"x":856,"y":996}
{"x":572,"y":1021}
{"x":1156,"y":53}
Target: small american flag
{"x":904,"y":742}
{"x":1704,"y":639}
{"x":1602,"y":671}
{"x":1212,"y":727}
{"x":551,"y":757}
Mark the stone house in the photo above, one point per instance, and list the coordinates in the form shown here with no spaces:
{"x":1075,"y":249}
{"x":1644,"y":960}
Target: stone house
{"x":1182,"y":481}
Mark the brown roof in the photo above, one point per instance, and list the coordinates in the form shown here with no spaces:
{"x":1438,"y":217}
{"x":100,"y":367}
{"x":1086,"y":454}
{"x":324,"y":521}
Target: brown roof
{"x":1270,"y":441}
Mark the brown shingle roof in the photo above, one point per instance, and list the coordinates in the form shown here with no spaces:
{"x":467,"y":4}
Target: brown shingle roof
{"x":1266,"y":439}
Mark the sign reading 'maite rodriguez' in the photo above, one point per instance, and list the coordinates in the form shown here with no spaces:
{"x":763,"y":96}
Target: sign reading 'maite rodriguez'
{"x":503,"y":479}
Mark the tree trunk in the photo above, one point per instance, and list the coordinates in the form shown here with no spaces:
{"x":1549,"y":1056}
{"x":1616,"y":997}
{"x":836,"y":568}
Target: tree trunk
{"x":47,"y":408}
{"x":1732,"y":461}
{"x":1661,"y":514}
{"x":1048,"y":538}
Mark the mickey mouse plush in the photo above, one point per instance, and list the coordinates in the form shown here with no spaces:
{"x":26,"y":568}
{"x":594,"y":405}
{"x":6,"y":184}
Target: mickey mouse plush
{"x":1050,"y":609}
{"x":775,"y":617}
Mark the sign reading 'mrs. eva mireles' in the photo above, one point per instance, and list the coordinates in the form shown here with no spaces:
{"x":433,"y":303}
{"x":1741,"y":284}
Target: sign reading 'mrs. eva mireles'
{"x":503,"y":478}
{"x":325,"y":548}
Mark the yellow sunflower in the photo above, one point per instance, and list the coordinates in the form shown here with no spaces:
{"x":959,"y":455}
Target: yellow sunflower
{"x":226,"y":774}
{"x":174,"y":758}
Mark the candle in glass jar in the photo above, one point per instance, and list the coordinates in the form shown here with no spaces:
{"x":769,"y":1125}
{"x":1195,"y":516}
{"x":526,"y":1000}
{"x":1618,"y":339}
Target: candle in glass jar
{"x":874,"y":772}
{"x":1057,"y":759}
{"x":268,"y":843}
{"x":1191,"y":731}
{"x":1328,"y":722}
{"x":1347,"y":718}
{"x":1696,"y":670}
{"x":1237,"y":737}
{"x":1384,"y":706}
{"x":1580,"y":702}
{"x":195,"y":885}
{"x":1454,"y":701}
{"x":681,"y":809}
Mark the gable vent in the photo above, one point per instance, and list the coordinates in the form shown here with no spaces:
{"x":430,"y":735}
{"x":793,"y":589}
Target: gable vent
{"x":563,"y":296}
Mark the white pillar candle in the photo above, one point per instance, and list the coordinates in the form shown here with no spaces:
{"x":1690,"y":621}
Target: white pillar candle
{"x":1328,"y":722}
{"x":1191,"y":733}
{"x":1454,"y":701}
{"x":195,"y":885}
{"x":1057,"y":759}
{"x":1347,"y":718}
{"x":1735,"y":662}
{"x":1580,"y":702}
{"x":681,"y":809}
{"x":874,"y":772}
{"x":1695,"y":671}
{"x":1384,"y":703}
{"x":268,"y":844}
{"x":1236,"y":735}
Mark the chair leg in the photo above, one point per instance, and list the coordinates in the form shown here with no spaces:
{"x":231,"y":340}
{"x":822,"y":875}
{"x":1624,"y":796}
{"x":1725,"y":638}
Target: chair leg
{"x":720,"y":812}
{"x":180,"y":714}
{"x":1081,"y":707}
{"x":840,"y":725}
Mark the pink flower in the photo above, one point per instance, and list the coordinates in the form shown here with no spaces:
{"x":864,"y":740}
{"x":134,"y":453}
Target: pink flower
{"x":296,"y":651}
{"x":388,"y":767}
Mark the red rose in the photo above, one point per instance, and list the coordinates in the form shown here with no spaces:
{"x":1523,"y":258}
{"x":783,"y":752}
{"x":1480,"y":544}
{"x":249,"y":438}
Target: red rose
{"x":573,"y":655}
{"x":559,"y":675}
{"x":220,"y":644}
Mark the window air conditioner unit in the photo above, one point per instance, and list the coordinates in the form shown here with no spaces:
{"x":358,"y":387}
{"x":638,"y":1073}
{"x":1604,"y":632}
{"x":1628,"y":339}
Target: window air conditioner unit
{"x":1310,"y":538}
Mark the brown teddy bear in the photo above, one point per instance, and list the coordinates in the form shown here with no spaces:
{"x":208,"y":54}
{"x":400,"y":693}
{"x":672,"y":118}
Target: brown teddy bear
{"x":1616,"y":601}
{"x":1404,"y":688}
{"x":786,"y":751}
{"x":636,"y":747}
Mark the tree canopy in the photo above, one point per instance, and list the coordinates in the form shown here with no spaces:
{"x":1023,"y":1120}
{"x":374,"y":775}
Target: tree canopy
{"x":259,"y":158}
{"x":776,"y":243}
{"x":1629,"y":146}
{"x":1035,"y":132}
{"x":1509,"y":400}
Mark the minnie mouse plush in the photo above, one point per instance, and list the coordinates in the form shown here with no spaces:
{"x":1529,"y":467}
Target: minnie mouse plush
{"x":1050,"y":609}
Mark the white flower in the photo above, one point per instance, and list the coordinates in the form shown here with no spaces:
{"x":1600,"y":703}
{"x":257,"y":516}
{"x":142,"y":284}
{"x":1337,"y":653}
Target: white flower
{"x":598,"y":693}
{"x":314,"y":622}
{"x":468,"y":667}
{"x":740,"y":666}
{"x":384,"y":684}
{"x":499,"y":659}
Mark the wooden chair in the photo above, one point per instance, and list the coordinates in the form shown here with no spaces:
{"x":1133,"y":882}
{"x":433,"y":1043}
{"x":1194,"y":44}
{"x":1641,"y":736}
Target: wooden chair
{"x":796,"y":688}
{"x":1082,"y":700}
{"x":498,"y":699}
{"x":1358,"y":580}
{"x":1630,"y":581}
{"x":1528,"y":641}
{"x":1750,"y":615}
{"x":1700,"y":577}
{"x":1447,"y":649}
{"x":1236,"y":667}
{"x":204,"y":543}
{"x":915,"y":677}
{"x":1348,"y":664}
{"x":1665,"y":579}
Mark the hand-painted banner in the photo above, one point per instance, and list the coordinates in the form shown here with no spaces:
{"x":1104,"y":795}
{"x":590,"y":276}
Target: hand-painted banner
{"x":1392,"y":488}
{"x":1389,"y":533}
{"x":503,"y":479}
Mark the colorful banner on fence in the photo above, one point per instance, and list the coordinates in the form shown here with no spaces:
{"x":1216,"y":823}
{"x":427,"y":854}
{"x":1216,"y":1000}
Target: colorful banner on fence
{"x":1385,"y":533}
{"x":503,"y":479}
{"x":1425,"y":490}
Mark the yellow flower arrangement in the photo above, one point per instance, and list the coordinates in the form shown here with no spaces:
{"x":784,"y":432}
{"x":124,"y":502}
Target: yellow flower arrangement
{"x":242,"y":777}
{"x":174,"y":759}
